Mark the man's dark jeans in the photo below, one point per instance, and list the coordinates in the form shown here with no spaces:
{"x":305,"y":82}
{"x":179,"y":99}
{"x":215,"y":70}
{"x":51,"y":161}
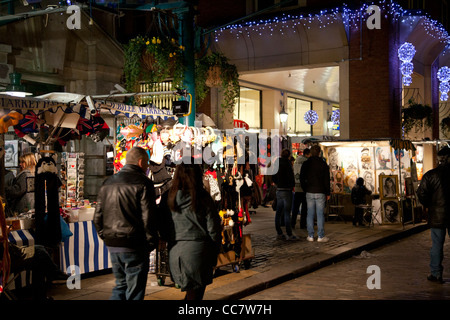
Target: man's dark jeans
{"x":284,"y":206}
{"x":131,"y":271}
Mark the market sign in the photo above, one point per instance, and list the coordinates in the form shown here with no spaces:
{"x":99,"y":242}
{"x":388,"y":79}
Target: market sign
{"x":117,"y":108}
{"x":24,"y":104}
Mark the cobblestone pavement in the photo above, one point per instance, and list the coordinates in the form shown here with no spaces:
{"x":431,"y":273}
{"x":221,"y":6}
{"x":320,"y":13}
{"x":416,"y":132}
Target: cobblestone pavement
{"x":403,"y":271}
{"x":275,"y":261}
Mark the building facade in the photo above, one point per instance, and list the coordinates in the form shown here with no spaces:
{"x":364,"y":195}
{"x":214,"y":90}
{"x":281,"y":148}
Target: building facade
{"x":344,"y":57}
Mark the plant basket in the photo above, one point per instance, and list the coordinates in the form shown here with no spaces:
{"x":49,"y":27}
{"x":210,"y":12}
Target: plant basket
{"x":213,"y":79}
{"x":148,"y":61}
{"x":416,"y":115}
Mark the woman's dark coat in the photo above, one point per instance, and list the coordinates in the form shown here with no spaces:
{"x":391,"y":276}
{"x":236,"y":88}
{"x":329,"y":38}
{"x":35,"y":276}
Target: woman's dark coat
{"x":194,"y":242}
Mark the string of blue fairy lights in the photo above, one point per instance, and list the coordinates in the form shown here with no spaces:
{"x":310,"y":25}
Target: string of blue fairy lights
{"x":351,"y":18}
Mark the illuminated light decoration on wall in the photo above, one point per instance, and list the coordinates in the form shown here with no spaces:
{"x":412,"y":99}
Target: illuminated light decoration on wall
{"x":443,"y":75}
{"x":351,"y":18}
{"x":406,"y":53}
{"x":311,"y":117}
{"x":336,"y":117}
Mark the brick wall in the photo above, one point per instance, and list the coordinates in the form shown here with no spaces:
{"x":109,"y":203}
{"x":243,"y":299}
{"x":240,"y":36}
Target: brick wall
{"x":373,"y":112}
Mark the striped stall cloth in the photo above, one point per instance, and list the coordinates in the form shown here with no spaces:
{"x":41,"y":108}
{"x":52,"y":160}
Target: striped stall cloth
{"x":21,"y":238}
{"x":84,"y":249}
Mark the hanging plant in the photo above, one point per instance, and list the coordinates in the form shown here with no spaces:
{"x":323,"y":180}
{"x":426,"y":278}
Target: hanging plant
{"x":445,"y":126}
{"x":214,"y":70}
{"x":416,"y":115}
{"x":153,"y":60}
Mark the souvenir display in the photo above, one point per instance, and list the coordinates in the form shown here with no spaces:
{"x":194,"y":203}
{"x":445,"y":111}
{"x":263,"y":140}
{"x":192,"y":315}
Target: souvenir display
{"x":72,"y":174}
{"x":165,"y":145}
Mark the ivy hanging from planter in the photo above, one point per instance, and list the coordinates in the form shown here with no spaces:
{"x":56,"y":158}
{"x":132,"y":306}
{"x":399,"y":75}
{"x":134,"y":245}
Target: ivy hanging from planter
{"x":214,"y":70}
{"x":416,"y":116}
{"x":153,"y":60}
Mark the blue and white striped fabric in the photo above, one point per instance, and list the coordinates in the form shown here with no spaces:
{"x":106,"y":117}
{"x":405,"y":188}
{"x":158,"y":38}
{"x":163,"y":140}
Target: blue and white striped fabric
{"x":21,"y":238}
{"x":84,"y":249}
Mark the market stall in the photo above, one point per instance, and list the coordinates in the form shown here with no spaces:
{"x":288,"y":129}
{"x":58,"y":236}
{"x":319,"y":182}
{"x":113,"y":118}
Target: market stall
{"x":57,"y":118}
{"x":50,"y":122}
{"x":387,"y":167}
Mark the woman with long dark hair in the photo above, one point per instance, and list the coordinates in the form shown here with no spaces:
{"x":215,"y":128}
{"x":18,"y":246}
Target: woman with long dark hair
{"x":195,"y":233}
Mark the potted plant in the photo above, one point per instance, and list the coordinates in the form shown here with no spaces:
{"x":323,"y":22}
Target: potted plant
{"x":416,"y":115}
{"x":214,"y":70}
{"x":152,"y":60}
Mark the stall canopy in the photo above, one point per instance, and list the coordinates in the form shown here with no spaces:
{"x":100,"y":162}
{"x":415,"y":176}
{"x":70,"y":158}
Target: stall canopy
{"x":65,"y":110}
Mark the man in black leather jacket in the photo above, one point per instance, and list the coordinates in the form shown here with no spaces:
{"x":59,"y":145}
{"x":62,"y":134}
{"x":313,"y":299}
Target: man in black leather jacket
{"x":434,"y":194}
{"x":125,"y":219}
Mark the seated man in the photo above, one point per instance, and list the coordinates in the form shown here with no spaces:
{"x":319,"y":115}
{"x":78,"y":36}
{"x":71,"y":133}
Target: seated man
{"x":358,"y":196}
{"x":37,"y":259}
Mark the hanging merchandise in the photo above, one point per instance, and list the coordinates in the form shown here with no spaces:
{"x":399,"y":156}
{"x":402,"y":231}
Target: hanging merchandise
{"x":101,"y":129}
{"x":210,"y":181}
{"x":30,"y":123}
{"x":47,"y":214}
{"x":131,"y":131}
{"x":8,"y":120}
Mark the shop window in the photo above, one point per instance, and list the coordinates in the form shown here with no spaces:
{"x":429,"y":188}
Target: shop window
{"x":296,"y":109}
{"x":248,"y":107}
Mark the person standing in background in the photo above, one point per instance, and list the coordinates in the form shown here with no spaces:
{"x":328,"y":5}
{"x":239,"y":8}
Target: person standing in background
{"x":434,"y":194}
{"x":20,"y":194}
{"x":299,"y":195}
{"x":284,"y":179}
{"x":315,"y":181}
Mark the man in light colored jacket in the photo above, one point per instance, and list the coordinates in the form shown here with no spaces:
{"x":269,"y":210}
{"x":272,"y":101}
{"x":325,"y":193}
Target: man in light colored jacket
{"x":299,"y":195}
